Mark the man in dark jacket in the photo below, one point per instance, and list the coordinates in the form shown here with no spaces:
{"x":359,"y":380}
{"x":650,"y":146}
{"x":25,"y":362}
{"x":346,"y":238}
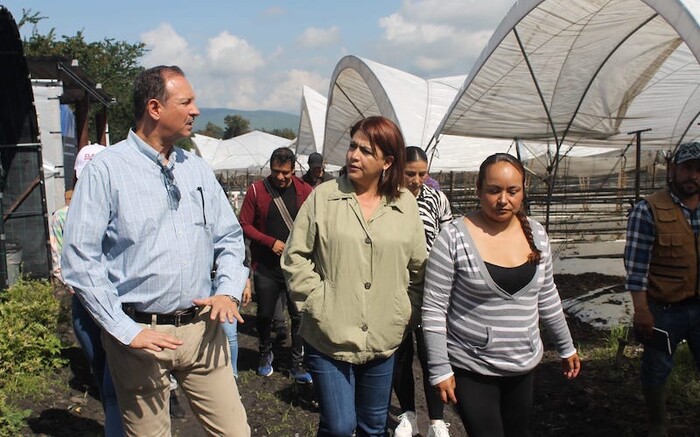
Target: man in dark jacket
{"x":317,"y":170}
{"x":269,"y":208}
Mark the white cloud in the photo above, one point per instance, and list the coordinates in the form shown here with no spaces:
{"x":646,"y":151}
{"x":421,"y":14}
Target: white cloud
{"x":429,"y":38}
{"x":399,"y":30}
{"x":472,"y":12}
{"x":228,"y":53}
{"x":439,"y":37}
{"x":166,"y":47}
{"x":229,"y":73}
{"x":314,"y":37}
{"x":286,"y":90}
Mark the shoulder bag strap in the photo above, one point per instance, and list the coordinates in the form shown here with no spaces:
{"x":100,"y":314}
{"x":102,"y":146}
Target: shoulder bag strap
{"x":286,"y":216}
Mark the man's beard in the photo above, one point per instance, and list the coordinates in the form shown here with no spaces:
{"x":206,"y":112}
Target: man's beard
{"x":686,"y":189}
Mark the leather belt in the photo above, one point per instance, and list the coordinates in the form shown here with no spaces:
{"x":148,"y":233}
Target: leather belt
{"x":178,"y":318}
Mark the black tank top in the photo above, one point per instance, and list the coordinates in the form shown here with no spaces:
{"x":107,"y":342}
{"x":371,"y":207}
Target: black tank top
{"x":512,"y":279}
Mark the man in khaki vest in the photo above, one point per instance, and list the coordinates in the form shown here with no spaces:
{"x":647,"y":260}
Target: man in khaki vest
{"x":661,"y":259}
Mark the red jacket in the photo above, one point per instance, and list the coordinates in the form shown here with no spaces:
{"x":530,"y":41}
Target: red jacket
{"x":253,"y":216}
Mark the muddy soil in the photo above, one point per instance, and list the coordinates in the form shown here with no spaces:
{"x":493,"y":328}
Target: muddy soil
{"x":604,"y":401}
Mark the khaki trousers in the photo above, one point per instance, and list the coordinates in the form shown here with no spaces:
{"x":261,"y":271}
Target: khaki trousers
{"x":202,"y":367}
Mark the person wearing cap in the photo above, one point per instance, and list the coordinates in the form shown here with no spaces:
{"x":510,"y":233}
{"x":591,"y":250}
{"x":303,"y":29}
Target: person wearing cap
{"x":58,"y":220}
{"x":87,"y":332}
{"x":317,"y":171}
{"x":148,"y":224}
{"x":85,"y":155}
{"x":661,"y":259}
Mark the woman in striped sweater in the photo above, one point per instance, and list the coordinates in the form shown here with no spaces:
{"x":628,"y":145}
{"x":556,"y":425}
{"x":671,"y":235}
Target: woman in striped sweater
{"x":488,"y":284}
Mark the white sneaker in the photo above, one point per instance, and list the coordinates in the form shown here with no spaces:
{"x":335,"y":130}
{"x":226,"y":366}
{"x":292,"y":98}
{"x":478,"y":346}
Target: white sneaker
{"x":439,"y":429}
{"x":408,"y":425}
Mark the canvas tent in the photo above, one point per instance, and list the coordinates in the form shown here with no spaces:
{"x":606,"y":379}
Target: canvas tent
{"x":361,"y":88}
{"x":247,"y":152}
{"x":311,"y":122}
{"x":205,"y":146}
{"x":586,"y":72}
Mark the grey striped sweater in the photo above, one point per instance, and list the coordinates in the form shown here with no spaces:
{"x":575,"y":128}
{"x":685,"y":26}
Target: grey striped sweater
{"x":469,"y":322}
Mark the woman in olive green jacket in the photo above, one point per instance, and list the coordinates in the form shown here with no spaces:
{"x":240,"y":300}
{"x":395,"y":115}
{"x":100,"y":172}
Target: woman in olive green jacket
{"x":354,"y":262}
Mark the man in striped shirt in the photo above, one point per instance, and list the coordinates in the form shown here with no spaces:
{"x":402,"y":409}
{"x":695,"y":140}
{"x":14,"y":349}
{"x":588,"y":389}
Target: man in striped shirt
{"x":148,"y":224}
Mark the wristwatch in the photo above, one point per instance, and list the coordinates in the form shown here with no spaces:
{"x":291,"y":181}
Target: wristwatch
{"x":236,"y":301}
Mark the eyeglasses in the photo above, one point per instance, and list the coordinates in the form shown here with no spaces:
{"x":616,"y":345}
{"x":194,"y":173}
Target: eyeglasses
{"x":173,"y":191}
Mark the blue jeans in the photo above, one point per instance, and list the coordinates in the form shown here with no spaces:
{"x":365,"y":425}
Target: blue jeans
{"x":231,"y":331}
{"x":681,"y":321}
{"x":351,"y":397}
{"x":88,"y":334}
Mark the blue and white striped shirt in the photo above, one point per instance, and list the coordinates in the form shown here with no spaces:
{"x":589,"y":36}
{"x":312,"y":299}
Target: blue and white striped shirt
{"x":125,"y":242}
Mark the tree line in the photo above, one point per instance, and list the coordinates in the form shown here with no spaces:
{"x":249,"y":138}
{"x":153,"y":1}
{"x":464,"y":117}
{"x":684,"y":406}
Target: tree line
{"x":237,"y":125}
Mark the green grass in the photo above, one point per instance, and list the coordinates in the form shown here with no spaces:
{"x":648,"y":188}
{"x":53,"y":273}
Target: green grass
{"x":683,"y":383}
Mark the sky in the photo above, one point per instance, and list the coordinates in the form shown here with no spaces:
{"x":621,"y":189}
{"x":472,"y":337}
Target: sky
{"x":252,"y":55}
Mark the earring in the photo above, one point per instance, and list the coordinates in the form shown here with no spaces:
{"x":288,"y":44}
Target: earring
{"x":381,"y":178}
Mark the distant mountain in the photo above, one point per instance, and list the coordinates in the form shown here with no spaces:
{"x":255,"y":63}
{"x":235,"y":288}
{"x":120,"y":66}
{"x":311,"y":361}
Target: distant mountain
{"x":259,"y":120}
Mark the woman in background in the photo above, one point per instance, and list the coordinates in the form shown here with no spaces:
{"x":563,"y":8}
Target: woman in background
{"x":488,"y":284}
{"x":355,"y":261}
{"x":435,"y":212}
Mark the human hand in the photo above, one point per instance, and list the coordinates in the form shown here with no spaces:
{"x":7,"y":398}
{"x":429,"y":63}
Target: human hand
{"x":571,"y":366}
{"x":247,"y":294}
{"x":278,"y":247}
{"x":446,"y":390}
{"x":643,"y":322}
{"x":223,"y":308}
{"x":154,"y":340}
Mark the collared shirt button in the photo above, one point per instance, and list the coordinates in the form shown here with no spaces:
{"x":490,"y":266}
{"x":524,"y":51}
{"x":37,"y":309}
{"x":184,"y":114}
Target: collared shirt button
{"x":367,"y":285}
{"x":368,"y":240}
{"x":364,"y":327}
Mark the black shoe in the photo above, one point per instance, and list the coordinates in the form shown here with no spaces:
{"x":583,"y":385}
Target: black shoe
{"x":176,"y":410}
{"x":299,"y":374}
{"x":280,"y":338}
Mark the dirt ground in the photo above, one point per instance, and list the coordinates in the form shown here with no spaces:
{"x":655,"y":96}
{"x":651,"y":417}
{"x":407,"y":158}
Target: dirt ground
{"x":604,"y":401}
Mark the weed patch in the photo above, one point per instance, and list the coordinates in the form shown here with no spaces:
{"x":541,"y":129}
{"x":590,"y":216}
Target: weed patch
{"x":30,"y":349}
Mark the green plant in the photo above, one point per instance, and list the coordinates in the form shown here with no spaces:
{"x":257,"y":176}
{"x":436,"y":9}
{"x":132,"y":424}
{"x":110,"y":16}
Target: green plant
{"x":617,"y":334}
{"x":684,"y":383}
{"x":28,"y":319}
{"x":29,"y":347}
{"x":608,"y":349}
{"x":11,"y":419}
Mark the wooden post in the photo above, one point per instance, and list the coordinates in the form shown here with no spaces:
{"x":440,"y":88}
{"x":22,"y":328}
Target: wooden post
{"x":82,"y":108}
{"x":101,"y":126}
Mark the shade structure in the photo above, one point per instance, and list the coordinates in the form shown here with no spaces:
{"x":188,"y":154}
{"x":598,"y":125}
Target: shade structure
{"x":585,"y":72}
{"x":205,"y":146}
{"x":247,"y":152}
{"x":361,"y":88}
{"x":311,"y":122}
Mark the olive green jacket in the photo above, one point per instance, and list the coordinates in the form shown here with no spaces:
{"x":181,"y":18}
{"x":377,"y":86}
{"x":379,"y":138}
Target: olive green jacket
{"x":359,"y":284}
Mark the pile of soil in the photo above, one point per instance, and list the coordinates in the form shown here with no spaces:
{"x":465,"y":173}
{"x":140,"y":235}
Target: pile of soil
{"x":605,"y":400}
